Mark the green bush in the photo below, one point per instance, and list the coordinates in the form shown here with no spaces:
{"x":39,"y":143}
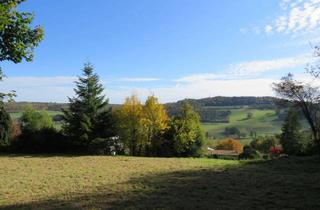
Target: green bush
{"x":32,"y":120}
{"x":249,"y":153}
{"x":45,"y":140}
{"x":263,"y":144}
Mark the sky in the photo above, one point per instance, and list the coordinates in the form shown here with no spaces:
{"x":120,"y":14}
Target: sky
{"x":174,"y":49}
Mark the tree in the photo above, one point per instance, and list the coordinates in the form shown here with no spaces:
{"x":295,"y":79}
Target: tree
{"x":130,"y":123}
{"x":291,"y":135}
{"x":17,"y":41}
{"x":304,"y":96}
{"x":5,"y":125}
{"x":155,"y":121}
{"x":18,"y":38}
{"x":32,"y":120}
{"x":230,"y":144}
{"x":249,"y":115}
{"x":233,"y":131}
{"x":88,"y":117}
{"x":263,"y":144}
{"x":185,"y":132}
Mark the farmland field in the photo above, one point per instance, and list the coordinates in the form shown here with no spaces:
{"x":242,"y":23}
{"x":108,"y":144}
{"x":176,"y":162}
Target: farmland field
{"x":100,"y":182}
{"x":264,"y":122}
{"x":16,"y":115}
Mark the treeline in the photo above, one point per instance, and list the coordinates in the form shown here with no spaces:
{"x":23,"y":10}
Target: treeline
{"x":20,"y":106}
{"x":208,"y":108}
{"x":90,"y":125}
{"x":215,"y":109}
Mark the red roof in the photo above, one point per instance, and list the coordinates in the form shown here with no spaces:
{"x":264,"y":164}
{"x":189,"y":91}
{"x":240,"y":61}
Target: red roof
{"x":222,"y":152}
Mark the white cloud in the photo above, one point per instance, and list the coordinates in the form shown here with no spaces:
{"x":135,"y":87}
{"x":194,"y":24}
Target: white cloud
{"x":53,"y":89}
{"x":298,"y":16}
{"x":268,"y":29}
{"x":240,"y":79}
{"x":200,"y":77}
{"x":200,"y":89}
{"x":260,"y":66}
{"x":138,"y":79}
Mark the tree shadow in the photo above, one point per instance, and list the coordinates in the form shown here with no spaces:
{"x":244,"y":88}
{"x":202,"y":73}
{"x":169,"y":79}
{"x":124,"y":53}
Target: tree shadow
{"x":278,"y":184}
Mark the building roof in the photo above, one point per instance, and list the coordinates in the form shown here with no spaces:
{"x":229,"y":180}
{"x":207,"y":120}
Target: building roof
{"x":223,"y":152}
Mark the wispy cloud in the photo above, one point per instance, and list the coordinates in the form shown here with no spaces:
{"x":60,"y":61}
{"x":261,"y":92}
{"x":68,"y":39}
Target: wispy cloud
{"x":261,"y":66}
{"x":236,"y":80}
{"x":249,"y":69}
{"x":297,"y":16}
{"x":138,"y":79}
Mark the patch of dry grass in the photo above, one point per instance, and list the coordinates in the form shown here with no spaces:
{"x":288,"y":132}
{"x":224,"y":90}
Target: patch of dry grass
{"x":98,"y":182}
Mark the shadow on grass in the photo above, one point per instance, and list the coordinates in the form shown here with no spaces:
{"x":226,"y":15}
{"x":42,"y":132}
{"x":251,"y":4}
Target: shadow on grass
{"x":43,"y":155}
{"x":280,"y":184}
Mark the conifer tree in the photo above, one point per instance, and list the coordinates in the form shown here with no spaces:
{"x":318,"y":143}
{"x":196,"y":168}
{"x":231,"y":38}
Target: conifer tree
{"x":291,"y":134}
{"x":88,"y":117}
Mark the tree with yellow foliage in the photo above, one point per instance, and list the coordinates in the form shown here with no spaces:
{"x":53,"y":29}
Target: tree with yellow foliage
{"x":155,"y":121}
{"x":130,"y":124}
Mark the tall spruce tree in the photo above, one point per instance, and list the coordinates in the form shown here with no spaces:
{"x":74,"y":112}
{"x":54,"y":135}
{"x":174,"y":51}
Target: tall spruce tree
{"x":291,"y":135}
{"x":88,"y":118}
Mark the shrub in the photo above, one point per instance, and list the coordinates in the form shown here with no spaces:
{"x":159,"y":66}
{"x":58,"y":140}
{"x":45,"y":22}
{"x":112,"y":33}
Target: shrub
{"x":275,"y":151}
{"x":230,"y":144}
{"x":263,"y":144}
{"x":249,"y":153}
{"x":32,"y":120}
{"x":45,"y":140}
{"x":232,"y":131}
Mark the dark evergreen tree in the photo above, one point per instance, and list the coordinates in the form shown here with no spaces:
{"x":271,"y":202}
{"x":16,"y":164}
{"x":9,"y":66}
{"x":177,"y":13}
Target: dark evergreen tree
{"x":88,"y":121}
{"x":5,"y":126}
{"x":291,"y":134}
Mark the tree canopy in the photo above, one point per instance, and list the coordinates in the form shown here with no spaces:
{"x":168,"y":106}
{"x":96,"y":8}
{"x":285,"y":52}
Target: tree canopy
{"x":17,"y":37}
{"x":88,"y":117}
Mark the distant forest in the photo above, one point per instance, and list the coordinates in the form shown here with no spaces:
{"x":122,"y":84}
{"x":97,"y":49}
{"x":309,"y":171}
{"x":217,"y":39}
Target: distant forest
{"x":217,"y":109}
{"x":212,"y":109}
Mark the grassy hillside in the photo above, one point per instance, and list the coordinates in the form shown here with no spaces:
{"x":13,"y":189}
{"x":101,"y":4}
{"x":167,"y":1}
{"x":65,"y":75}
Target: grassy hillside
{"x":263,"y":122}
{"x":100,"y":182}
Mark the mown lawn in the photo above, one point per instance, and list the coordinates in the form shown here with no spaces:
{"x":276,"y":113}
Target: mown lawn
{"x":99,"y":182}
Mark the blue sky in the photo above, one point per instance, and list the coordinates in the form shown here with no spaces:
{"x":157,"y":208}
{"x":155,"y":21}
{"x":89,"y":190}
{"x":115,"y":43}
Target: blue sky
{"x":174,"y":49}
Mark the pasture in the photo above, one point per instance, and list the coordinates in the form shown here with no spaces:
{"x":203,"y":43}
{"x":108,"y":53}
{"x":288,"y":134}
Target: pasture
{"x":101,"y":182}
{"x":263,"y":122}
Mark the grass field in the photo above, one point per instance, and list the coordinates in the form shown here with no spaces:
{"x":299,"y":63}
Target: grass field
{"x":100,"y":182}
{"x":16,"y":115}
{"x":263,"y":122}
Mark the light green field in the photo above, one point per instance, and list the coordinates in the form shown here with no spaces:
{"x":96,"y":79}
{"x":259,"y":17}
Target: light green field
{"x":263,"y":122}
{"x":100,"y":182}
{"x":16,"y":115}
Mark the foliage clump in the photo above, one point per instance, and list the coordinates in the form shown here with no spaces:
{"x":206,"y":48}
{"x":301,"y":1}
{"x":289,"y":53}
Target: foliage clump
{"x":230,"y":144}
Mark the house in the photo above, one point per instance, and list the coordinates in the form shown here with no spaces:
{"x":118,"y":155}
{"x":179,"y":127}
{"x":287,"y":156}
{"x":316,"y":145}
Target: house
{"x":216,"y":153}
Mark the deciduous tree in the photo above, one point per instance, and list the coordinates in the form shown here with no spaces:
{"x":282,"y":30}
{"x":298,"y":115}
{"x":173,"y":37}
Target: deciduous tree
{"x":130,"y":123}
{"x":154,"y":121}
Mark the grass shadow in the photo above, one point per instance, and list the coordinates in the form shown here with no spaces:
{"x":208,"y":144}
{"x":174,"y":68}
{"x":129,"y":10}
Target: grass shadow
{"x":289,"y":183}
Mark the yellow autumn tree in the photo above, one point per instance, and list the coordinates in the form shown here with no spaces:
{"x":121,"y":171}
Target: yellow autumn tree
{"x":130,"y":124}
{"x":155,"y":121}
